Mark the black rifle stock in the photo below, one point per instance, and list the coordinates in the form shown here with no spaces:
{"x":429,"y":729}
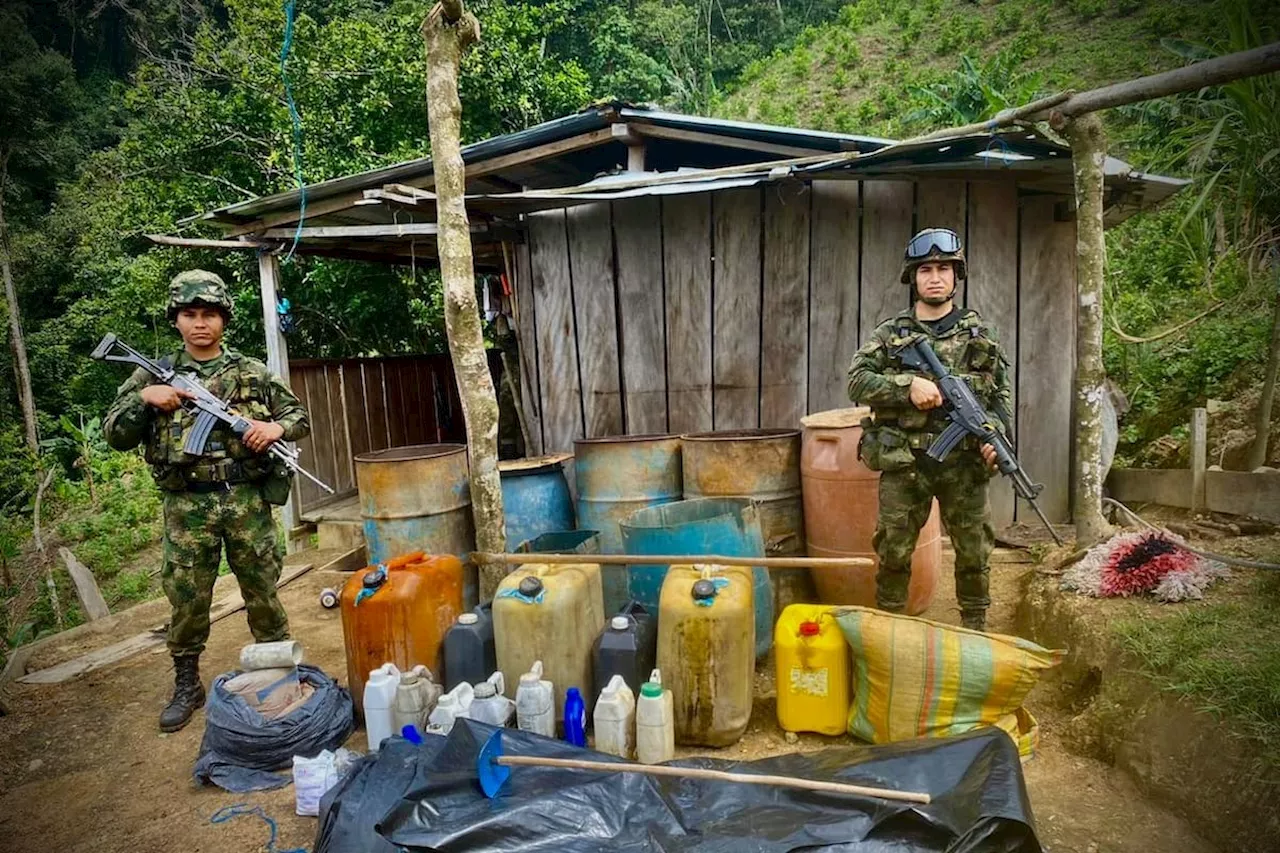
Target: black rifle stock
{"x":969,"y":417}
{"x":207,"y":408}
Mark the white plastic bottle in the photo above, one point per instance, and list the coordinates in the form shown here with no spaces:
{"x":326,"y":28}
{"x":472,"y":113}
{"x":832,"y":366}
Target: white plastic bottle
{"x":615,"y":718}
{"x":452,"y":705}
{"x":535,"y":703}
{"x":416,"y":697}
{"x":379,"y":701}
{"x":655,"y":722}
{"x":489,"y":705}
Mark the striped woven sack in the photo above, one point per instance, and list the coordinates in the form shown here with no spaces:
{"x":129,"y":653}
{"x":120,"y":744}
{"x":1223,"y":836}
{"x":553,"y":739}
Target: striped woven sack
{"x":913,"y":677}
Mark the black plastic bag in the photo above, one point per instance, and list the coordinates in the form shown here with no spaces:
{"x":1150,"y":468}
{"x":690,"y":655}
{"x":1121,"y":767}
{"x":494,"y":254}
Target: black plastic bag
{"x":428,"y":798}
{"x":241,"y":747}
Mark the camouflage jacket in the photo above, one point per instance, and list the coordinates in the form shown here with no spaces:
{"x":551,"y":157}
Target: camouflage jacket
{"x":969,"y":349}
{"x":251,"y":389}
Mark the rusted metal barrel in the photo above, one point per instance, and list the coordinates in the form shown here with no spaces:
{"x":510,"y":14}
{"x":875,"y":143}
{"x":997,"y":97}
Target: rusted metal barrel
{"x":418,"y":498}
{"x":615,"y":476}
{"x":841,"y":504}
{"x":763,"y":465}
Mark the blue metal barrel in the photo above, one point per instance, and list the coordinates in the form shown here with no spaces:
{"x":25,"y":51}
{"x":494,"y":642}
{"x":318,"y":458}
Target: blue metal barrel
{"x":535,"y":497}
{"x":561,"y":542}
{"x":728,"y":527}
{"x":616,"y":476}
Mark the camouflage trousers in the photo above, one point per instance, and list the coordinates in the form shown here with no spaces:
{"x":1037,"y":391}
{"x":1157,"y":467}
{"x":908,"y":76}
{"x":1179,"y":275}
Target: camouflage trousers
{"x":195,"y":528}
{"x":960,"y":485}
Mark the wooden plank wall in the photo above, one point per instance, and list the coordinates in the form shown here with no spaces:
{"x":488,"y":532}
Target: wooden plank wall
{"x":358,"y":405}
{"x":992,"y":257}
{"x":742,"y":309}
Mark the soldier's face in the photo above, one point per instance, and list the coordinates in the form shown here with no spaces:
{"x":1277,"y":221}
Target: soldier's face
{"x":200,"y":325}
{"x":935,"y":281}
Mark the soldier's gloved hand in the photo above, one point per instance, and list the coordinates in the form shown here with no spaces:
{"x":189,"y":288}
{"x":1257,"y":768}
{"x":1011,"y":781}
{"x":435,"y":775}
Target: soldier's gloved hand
{"x":989,"y":456}
{"x":166,"y":398}
{"x":925,"y":393}
{"x":261,"y":434}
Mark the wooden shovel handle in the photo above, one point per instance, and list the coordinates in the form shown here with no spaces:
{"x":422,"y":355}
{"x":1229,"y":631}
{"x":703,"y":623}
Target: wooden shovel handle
{"x":714,"y":775}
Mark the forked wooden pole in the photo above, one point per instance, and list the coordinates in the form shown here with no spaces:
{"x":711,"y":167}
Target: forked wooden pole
{"x":715,"y":776}
{"x":479,"y":557}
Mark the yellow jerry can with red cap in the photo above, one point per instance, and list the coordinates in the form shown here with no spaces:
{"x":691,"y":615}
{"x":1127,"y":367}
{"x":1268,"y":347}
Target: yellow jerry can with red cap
{"x":812,"y":670}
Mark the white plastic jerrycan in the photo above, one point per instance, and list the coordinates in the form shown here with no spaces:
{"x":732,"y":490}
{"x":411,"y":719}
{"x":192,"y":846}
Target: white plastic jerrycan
{"x":489,"y":705}
{"x":379,"y":702}
{"x":615,"y":718}
{"x":655,"y":722}
{"x":416,"y":697}
{"x":535,"y":703}
{"x":452,"y":705}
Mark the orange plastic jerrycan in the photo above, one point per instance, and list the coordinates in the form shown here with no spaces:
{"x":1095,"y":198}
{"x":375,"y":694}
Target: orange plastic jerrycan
{"x":398,"y":612}
{"x":812,"y":670}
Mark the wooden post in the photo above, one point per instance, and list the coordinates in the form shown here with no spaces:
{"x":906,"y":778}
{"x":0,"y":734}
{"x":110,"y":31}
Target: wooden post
{"x":277,"y":361}
{"x":1088,"y":153}
{"x":1262,"y":419}
{"x":1199,"y":457}
{"x":447,"y":32}
{"x":91,"y":600}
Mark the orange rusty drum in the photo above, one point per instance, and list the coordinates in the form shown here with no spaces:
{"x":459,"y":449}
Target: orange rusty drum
{"x":841,"y":502}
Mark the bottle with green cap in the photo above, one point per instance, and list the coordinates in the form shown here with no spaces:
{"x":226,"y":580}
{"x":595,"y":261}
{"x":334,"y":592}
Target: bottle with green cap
{"x":655,"y":722}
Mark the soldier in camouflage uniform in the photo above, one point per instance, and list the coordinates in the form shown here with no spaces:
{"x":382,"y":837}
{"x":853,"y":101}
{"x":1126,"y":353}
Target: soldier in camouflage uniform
{"x":218,"y":497}
{"x":908,"y":417}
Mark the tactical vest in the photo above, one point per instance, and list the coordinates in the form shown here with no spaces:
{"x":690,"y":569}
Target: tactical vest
{"x":965,"y":348}
{"x":225,"y":458}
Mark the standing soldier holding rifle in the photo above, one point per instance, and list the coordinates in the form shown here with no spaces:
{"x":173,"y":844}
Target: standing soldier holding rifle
{"x":223,"y":492}
{"x":910,"y":418}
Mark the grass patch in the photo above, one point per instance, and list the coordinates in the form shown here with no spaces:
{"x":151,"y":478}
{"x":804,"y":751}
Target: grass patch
{"x":859,"y":70}
{"x":1223,"y":655}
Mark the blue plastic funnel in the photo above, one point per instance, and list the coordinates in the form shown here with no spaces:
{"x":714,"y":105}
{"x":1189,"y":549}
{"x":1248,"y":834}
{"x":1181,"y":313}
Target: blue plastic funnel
{"x":492,"y":774}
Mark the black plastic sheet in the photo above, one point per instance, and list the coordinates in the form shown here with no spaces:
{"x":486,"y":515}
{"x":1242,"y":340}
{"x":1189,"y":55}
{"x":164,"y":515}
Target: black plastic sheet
{"x":240,"y":747}
{"x":427,"y":797}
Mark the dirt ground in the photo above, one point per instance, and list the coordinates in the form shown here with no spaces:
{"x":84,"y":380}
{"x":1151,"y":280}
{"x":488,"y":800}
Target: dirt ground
{"x":84,"y":768}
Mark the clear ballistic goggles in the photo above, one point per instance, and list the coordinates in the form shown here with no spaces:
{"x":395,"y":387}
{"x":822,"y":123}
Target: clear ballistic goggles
{"x":941,"y":240}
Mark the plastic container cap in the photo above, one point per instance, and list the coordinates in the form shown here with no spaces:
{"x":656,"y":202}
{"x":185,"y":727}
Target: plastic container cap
{"x":530,"y":586}
{"x":809,"y":629}
{"x":704,"y":589}
{"x":620,"y":623}
{"x":375,"y":578}
{"x":468,"y":619}
{"x":651,"y":689}
{"x":485,"y":690}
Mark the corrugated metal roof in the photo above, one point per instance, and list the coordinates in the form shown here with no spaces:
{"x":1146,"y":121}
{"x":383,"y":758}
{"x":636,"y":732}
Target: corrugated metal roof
{"x":596,"y":117}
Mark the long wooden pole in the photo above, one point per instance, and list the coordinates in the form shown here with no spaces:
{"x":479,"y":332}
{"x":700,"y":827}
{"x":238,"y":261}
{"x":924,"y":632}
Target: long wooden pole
{"x":1210,"y":72}
{"x":481,"y":557}
{"x":716,"y":776}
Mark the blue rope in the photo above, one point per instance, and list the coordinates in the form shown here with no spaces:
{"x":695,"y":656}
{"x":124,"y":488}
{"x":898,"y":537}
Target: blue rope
{"x":290,"y":8}
{"x":995,"y":142}
{"x":226,"y":813}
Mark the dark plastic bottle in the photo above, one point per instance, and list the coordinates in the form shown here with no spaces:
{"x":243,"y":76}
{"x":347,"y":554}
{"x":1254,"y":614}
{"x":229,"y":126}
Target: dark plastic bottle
{"x":575,"y":718}
{"x":627,"y":646}
{"x":468,"y":648}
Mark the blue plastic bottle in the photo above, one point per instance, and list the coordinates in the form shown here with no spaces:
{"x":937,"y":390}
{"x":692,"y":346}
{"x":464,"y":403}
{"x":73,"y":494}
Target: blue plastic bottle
{"x":575,"y":718}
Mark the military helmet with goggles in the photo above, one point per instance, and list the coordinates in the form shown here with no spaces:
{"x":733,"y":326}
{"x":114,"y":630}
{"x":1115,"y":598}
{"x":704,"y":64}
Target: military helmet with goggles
{"x":933,"y":244}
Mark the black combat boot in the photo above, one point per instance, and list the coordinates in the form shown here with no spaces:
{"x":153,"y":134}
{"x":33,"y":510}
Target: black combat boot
{"x":188,"y":694}
{"x":974,"y":620}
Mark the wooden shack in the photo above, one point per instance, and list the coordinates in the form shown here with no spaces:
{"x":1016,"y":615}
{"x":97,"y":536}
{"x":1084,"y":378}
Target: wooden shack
{"x":673,"y":273}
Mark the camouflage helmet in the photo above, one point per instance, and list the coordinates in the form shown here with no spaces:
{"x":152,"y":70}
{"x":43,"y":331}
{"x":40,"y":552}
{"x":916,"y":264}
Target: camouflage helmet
{"x":198,"y":287}
{"x":933,"y":244}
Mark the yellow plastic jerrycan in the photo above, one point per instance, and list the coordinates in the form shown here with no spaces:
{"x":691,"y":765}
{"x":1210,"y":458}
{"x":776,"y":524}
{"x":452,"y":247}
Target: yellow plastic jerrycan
{"x":812,"y":670}
{"x":552,"y":614}
{"x":706,"y":651}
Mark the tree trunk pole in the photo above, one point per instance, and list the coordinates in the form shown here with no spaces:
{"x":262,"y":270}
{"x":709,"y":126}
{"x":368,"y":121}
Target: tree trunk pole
{"x":1262,"y":425}
{"x":447,"y":32}
{"x":1088,"y":154}
{"x":25,"y":396}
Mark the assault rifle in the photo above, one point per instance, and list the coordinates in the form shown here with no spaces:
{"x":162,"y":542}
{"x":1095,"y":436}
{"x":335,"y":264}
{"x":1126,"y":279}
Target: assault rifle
{"x":207,"y":408}
{"x":968,"y":417}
